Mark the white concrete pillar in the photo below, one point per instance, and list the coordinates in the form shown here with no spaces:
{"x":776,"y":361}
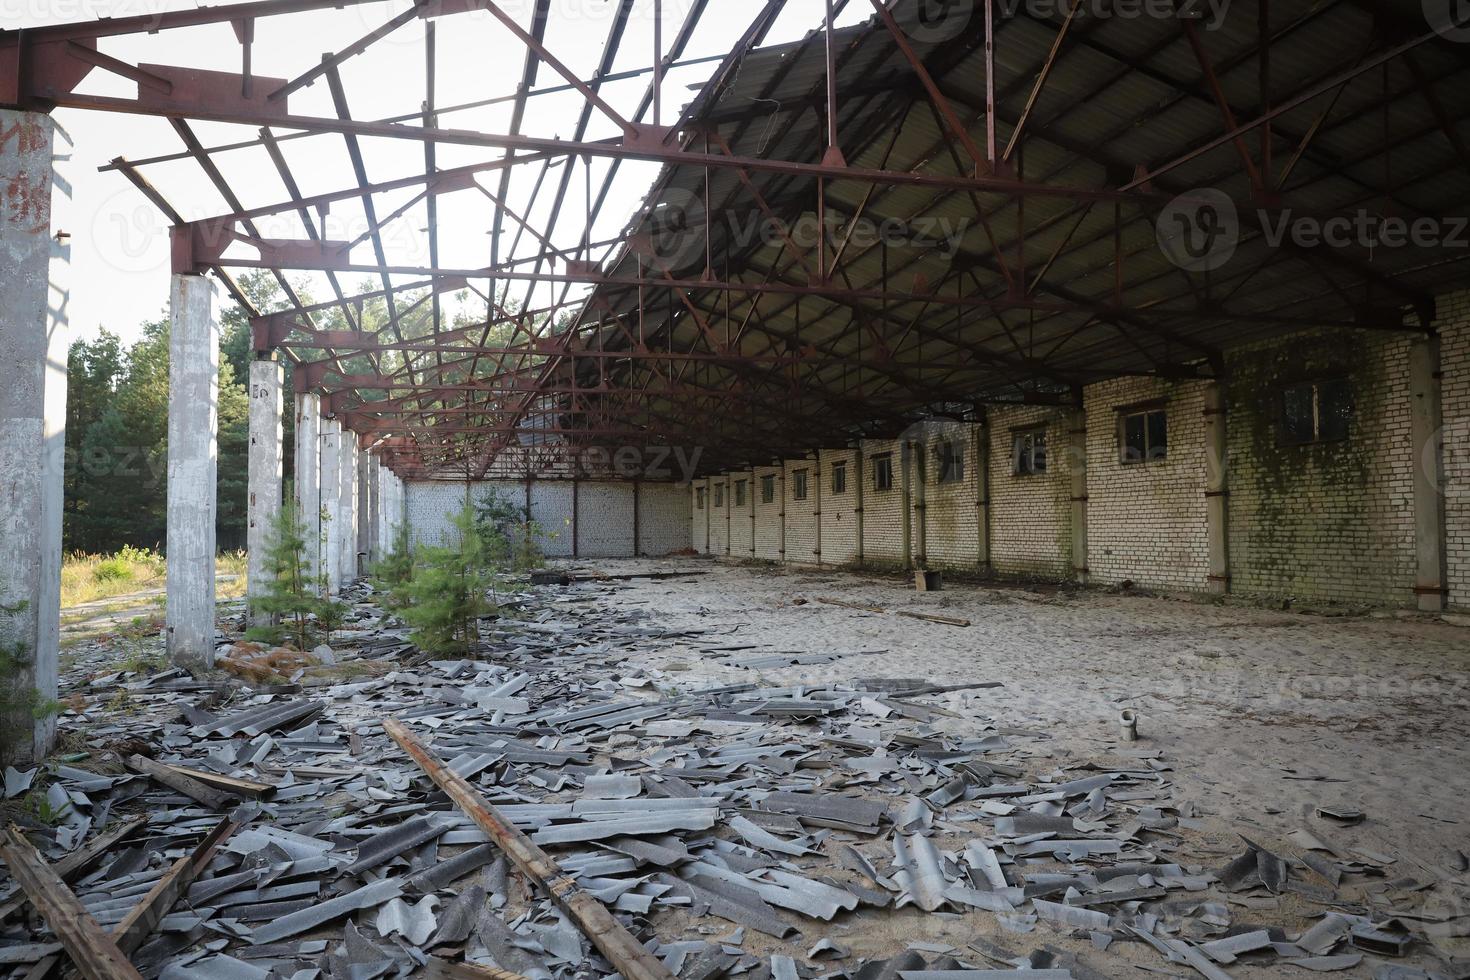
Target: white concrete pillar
{"x":1217,"y":488}
{"x":35,"y":257}
{"x":385,"y":510}
{"x":308,"y":480}
{"x":367,"y":510}
{"x":193,"y":422}
{"x":347,"y":510}
{"x":331,"y":495}
{"x":267,"y":461}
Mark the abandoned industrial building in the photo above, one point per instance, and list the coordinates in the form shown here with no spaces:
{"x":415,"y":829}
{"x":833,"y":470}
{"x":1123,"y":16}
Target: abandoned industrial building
{"x":789,"y":489}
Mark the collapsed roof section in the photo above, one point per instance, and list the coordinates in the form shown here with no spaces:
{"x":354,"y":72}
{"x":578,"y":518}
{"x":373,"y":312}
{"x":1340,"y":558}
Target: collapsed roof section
{"x":866,"y":225}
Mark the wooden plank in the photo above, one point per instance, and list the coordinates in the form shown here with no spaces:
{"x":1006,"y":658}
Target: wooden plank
{"x":190,"y":787}
{"x":91,"y":949}
{"x":227,"y":784}
{"x":926,"y":617}
{"x":144,"y":917}
{"x":69,"y":867}
{"x":624,"y":951}
{"x":440,"y":969}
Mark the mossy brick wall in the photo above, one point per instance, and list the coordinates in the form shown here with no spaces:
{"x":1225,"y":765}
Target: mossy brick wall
{"x":1146,"y":522}
{"x":839,"y":511}
{"x":951,"y":519}
{"x":801,"y":515}
{"x":1031,"y":519}
{"x":1331,"y":520}
{"x":1454,"y":356}
{"x":883,"y":510}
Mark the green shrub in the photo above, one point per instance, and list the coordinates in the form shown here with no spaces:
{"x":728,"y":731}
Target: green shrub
{"x":113,"y":569}
{"x":446,"y":596}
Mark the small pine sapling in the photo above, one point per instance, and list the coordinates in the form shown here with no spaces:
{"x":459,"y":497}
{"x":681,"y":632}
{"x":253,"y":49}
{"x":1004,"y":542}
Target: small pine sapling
{"x":447,"y":593}
{"x":287,"y":597}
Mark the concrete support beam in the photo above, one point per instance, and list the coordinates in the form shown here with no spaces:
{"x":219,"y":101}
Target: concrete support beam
{"x":1217,"y":487}
{"x":1427,"y":429}
{"x":331,"y":497}
{"x":1076,"y":423}
{"x":920,"y":492}
{"x":193,"y":423}
{"x":266,"y":464}
{"x":347,"y":512}
{"x":817,"y":506}
{"x":859,"y":486}
{"x":34,"y":293}
{"x":906,"y":490}
{"x":308,"y":436}
{"x":367,"y":504}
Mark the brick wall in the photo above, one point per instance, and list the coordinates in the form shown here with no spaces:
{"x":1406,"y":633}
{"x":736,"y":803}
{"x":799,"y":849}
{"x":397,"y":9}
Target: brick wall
{"x":662,"y":524}
{"x":551,"y":508}
{"x":801,"y":515}
{"x":951,"y":519}
{"x":883,"y":510}
{"x":1454,"y":324}
{"x":1332,"y":520}
{"x":700,"y":510}
{"x":742,"y":544}
{"x":719,"y":527}
{"x":839,"y":511}
{"x":1146,"y":521}
{"x":1030,"y":521}
{"x":768,"y":515}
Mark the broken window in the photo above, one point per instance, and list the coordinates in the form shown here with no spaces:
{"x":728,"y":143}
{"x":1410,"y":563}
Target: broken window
{"x":1028,"y":452}
{"x":719,"y":495}
{"x":1145,"y":436}
{"x":699,"y":498}
{"x":883,"y":472}
{"x":739,"y":493}
{"x":1316,"y":411}
{"x":951,"y":460}
{"x":839,"y":478}
{"x":768,"y":489}
{"x":798,"y":484}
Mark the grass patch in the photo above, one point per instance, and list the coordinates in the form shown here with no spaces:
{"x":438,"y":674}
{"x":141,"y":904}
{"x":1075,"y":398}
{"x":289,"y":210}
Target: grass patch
{"x":91,"y":578}
{"x":229,"y":570}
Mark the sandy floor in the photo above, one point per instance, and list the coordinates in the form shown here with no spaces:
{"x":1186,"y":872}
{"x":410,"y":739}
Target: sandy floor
{"x":1263,"y":715}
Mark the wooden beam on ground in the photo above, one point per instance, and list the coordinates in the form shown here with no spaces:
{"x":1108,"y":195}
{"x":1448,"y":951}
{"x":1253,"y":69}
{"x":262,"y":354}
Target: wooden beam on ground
{"x":91,"y":949}
{"x":226,"y":784}
{"x":139,"y":923}
{"x":190,"y":787}
{"x":926,"y":617}
{"x":71,"y":866}
{"x":438,"y":969}
{"x":624,"y":951}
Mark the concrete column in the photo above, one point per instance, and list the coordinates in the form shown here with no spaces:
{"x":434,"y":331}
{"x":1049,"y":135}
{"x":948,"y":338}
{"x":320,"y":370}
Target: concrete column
{"x":1426,"y":426}
{"x":906,"y":492}
{"x":308,"y":436}
{"x":859,"y":487}
{"x":35,"y":259}
{"x":383,"y":539}
{"x":267,"y":461}
{"x":817,"y":507}
{"x":780,"y":496}
{"x":367,"y":526}
{"x":1217,"y":487}
{"x":348,"y":514}
{"x":193,"y":422}
{"x":981,"y":441}
{"x":921,"y":504}
{"x":331,"y":497}
{"x":1076,"y":422}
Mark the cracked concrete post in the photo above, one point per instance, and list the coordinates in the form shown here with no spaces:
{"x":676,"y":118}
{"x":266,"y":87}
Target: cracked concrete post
{"x":308,"y":480}
{"x":331,"y":495}
{"x":266,"y":462}
{"x":193,"y":421}
{"x":346,"y":524}
{"x":35,"y":256}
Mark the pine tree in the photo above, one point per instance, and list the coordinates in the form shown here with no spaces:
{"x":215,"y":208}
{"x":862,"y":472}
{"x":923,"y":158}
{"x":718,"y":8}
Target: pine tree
{"x":288,"y":595}
{"x":395,"y":569}
{"x":447,"y":594}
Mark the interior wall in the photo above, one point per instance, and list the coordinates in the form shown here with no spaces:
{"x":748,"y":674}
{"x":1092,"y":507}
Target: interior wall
{"x":601,"y":525}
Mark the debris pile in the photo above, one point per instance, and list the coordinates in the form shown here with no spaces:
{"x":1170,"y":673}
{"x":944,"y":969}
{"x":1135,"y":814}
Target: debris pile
{"x":266,"y":825}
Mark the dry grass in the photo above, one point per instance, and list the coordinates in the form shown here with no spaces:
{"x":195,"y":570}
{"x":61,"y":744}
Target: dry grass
{"x":90,"y":578}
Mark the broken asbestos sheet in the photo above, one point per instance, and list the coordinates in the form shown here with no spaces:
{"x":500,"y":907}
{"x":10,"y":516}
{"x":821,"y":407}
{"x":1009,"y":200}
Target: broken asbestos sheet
{"x":753,"y":829}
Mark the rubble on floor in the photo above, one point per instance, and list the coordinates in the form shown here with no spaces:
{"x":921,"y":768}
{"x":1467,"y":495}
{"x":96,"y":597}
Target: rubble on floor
{"x":737,"y":831}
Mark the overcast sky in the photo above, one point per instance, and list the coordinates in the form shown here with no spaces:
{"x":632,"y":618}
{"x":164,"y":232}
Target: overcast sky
{"x":120,"y":255}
